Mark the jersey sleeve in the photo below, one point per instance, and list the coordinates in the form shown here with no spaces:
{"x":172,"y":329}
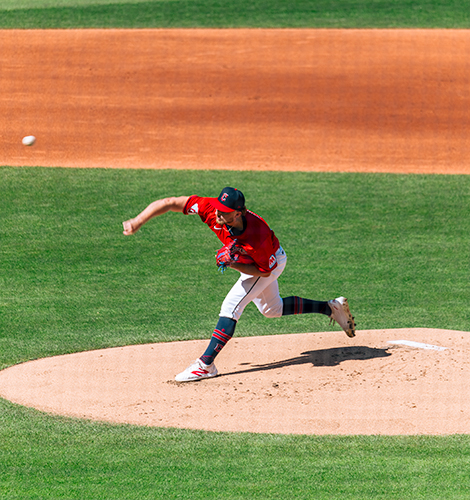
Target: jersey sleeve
{"x":200,"y":206}
{"x":192,"y":205}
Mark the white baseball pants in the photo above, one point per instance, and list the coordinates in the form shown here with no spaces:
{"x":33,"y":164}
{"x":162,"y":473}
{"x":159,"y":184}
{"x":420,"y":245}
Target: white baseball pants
{"x":263,"y":292}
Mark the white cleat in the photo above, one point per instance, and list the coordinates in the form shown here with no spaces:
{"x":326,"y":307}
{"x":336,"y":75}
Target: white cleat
{"x":197,"y":371}
{"x":342,"y":315}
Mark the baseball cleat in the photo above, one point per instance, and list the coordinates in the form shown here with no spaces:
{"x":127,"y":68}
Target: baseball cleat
{"x":342,"y":315}
{"x":197,"y":371}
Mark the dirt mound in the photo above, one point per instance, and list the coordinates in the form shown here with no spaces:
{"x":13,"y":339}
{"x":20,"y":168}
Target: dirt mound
{"x":314,"y":383}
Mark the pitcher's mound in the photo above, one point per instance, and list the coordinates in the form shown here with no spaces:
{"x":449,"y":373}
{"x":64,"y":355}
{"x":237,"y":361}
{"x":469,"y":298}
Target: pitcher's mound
{"x":405,"y":381}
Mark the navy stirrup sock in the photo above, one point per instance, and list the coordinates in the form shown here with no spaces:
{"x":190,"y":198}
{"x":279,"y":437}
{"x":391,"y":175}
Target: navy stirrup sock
{"x":222,"y":334}
{"x":225,"y":328}
{"x":297,"y":305}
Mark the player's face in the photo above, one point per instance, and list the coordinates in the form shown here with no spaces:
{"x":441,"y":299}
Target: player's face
{"x":228,"y":218}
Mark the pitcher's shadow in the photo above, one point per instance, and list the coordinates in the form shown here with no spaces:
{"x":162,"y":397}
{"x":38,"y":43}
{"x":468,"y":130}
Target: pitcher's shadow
{"x":321,"y":357}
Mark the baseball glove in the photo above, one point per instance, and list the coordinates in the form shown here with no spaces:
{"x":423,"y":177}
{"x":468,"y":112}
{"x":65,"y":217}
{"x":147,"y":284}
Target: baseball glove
{"x":231,"y":253}
{"x":224,"y":257}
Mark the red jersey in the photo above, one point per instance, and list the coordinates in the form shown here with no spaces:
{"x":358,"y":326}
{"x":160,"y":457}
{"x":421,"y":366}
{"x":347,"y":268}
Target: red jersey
{"x":257,"y":239}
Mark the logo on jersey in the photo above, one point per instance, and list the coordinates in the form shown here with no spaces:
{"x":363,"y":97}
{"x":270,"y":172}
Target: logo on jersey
{"x":194,"y":209}
{"x":272,"y":261}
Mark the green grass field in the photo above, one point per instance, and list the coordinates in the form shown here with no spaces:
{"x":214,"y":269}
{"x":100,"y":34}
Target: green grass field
{"x":397,"y":246}
{"x":235,"y":14}
{"x":393,"y":244}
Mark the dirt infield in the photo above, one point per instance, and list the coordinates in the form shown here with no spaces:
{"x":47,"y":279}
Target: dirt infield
{"x":319,"y":100}
{"x":352,"y":100}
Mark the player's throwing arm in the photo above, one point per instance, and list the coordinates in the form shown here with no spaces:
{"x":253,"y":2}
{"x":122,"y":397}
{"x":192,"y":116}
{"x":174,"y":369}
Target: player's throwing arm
{"x":155,"y":209}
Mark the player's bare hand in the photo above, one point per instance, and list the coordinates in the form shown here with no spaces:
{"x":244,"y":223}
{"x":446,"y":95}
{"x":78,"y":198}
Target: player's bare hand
{"x":130,"y":227}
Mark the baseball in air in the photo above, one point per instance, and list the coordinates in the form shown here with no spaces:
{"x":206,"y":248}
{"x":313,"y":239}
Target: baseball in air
{"x":29,"y":140}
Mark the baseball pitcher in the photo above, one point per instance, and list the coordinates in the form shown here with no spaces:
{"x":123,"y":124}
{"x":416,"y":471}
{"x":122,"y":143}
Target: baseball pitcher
{"x":250,"y":247}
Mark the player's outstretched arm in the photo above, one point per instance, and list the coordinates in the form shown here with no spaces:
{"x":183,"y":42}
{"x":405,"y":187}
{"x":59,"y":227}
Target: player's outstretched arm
{"x":158,"y":207}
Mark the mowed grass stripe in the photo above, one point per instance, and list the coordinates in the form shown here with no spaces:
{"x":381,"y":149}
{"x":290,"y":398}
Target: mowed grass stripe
{"x":235,"y":14}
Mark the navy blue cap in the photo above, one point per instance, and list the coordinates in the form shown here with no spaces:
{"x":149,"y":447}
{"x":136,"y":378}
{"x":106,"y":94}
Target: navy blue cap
{"x":230,"y":199}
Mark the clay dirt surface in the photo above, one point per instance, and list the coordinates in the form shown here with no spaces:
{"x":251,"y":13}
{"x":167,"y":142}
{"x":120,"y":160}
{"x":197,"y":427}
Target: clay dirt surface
{"x":314,"y":100}
{"x":313,"y":383}
{"x":343,"y":100}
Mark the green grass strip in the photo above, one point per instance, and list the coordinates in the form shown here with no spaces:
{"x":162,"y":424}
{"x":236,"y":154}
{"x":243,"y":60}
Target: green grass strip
{"x":46,"y":458}
{"x":397,"y":246}
{"x":236,"y":14}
